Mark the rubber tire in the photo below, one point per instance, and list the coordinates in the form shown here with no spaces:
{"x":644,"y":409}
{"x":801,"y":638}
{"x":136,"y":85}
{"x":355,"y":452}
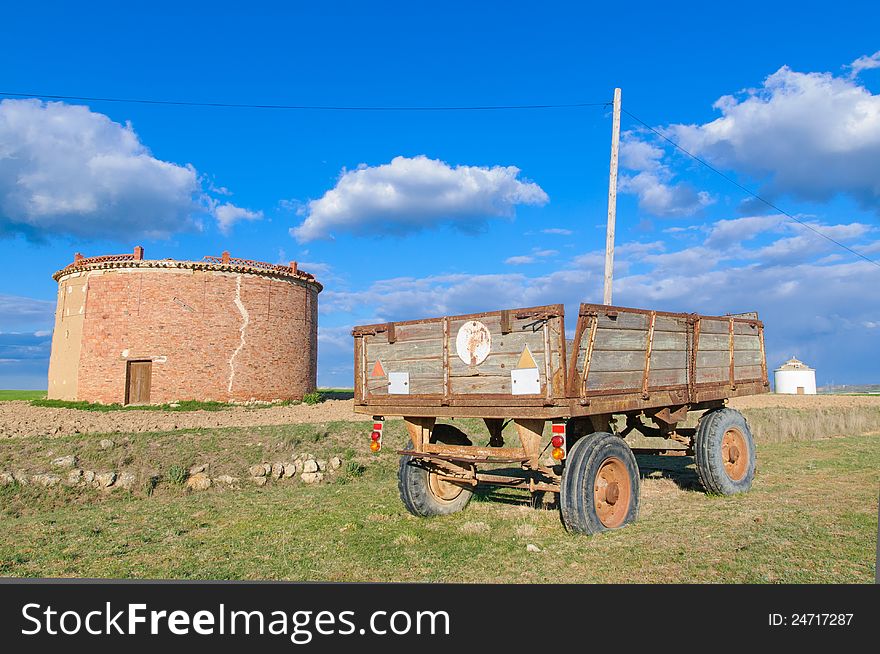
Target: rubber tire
{"x":576,"y":503}
{"x":414,"y":487}
{"x":707,"y":452}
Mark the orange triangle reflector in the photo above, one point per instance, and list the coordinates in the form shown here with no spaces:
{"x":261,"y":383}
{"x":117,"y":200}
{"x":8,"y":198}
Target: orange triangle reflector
{"x":378,"y":370}
{"x":526,"y":360}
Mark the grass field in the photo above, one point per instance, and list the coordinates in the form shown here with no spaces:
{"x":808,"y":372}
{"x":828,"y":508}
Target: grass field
{"x":6,"y":395}
{"x":811,"y":517}
{"x":38,"y":398}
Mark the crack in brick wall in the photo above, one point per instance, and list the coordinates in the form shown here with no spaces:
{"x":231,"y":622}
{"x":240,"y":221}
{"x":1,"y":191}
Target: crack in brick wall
{"x":244,"y":323}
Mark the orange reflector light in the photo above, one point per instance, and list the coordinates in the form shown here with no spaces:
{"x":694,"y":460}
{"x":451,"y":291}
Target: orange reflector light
{"x":375,"y":446}
{"x":557,"y":441}
{"x":558,"y":453}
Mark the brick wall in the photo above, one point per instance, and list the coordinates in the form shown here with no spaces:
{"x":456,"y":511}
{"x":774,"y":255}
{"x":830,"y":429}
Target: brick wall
{"x":189,"y":324}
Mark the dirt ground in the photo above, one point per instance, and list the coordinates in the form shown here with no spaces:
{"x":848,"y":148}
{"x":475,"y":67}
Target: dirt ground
{"x":19,"y":418}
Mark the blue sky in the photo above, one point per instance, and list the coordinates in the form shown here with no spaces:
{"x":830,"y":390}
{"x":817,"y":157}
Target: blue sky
{"x":409,"y":214}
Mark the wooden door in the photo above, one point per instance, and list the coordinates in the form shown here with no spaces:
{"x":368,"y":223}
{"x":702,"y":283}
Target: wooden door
{"x":140,"y":374}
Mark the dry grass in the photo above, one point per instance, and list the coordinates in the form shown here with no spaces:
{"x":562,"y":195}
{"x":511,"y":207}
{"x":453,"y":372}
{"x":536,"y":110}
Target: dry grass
{"x":811,"y":517}
{"x":777,"y":425}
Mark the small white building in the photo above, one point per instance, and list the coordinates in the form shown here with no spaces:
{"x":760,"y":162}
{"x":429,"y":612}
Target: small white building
{"x":795,"y":378}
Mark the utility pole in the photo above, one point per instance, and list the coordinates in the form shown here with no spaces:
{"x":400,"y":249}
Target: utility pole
{"x":612,"y":198}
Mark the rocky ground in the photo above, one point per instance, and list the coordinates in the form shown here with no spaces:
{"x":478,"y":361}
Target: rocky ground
{"x":19,"y":418}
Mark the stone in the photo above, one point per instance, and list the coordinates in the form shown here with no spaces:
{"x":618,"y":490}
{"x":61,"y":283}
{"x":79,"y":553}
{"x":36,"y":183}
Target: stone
{"x":335,"y":463}
{"x":259,"y":470}
{"x":74,"y":476}
{"x":289,"y":469}
{"x":106,"y":444}
{"x":125,"y":481}
{"x":310,"y":466}
{"x":104,"y":479}
{"x":532,"y":548}
{"x":312,"y":477}
{"x":20,"y":476}
{"x":46,"y":480}
{"x":6,"y":479}
{"x":198,"y":482}
{"x":88,"y":476}
{"x":228,"y":480}
{"x":322,"y":465}
{"x":68,"y":461}
{"x":259,"y":481}
{"x":196,"y":469}
{"x":277,"y":471}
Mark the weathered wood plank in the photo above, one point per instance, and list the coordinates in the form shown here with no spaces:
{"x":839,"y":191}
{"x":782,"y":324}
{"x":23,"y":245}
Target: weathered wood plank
{"x":419,"y":331}
{"x":607,"y":339}
{"x":412,"y":366}
{"x":748,"y":372}
{"x":633,"y":360}
{"x":601,"y":381}
{"x":405,"y":350}
{"x":624,"y":320}
{"x":482,"y":385}
{"x":667,"y":377}
{"x":747,"y":358}
{"x":715,"y":342}
{"x":714,"y":326}
{"x":670,"y":324}
{"x":713,"y":374}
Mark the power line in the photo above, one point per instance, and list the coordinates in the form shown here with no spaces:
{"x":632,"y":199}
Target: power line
{"x":232,"y":105}
{"x":749,"y":191}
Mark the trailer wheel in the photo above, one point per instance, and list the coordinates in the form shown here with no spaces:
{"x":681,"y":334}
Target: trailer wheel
{"x":600,"y":485}
{"x":725,"y":452}
{"x":424,"y":494}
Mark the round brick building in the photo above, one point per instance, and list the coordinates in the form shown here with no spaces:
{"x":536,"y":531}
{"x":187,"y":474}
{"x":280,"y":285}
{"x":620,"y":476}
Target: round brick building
{"x":135,"y":331}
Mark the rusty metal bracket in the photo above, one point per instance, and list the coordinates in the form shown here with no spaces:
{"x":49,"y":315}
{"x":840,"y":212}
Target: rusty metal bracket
{"x":392,"y":336}
{"x":672,"y":417}
{"x":505,"y":322}
{"x":648,"y":348}
{"x":588,"y":356}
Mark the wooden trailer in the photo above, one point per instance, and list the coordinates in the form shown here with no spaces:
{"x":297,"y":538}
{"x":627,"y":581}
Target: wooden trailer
{"x":581,"y":408}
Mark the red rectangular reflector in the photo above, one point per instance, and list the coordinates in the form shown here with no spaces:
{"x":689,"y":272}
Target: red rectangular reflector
{"x":558,"y":429}
{"x":377,"y":426}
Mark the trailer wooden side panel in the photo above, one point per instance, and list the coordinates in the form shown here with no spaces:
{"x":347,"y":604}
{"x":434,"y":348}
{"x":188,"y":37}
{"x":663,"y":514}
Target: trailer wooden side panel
{"x":517,"y":363}
{"x":639,"y":352}
{"x":518,"y":353}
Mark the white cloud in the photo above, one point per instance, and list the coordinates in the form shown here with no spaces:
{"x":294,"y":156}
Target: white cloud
{"x":639,"y":155}
{"x":228,"y":214}
{"x":536,"y":254}
{"x":812,"y":135}
{"x":65,"y":169}
{"x":18,"y":312}
{"x":865,"y":62}
{"x":813,"y":305}
{"x":734,"y":231}
{"x":410,"y":194}
{"x":519,"y":260}
{"x":653,"y":182}
{"x":659,"y":197}
{"x":557,"y":231}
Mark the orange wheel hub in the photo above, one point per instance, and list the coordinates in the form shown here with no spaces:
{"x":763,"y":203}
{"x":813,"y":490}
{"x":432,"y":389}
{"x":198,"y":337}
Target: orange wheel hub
{"x":442,"y":489}
{"x":735,"y":454}
{"x":612,"y":492}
